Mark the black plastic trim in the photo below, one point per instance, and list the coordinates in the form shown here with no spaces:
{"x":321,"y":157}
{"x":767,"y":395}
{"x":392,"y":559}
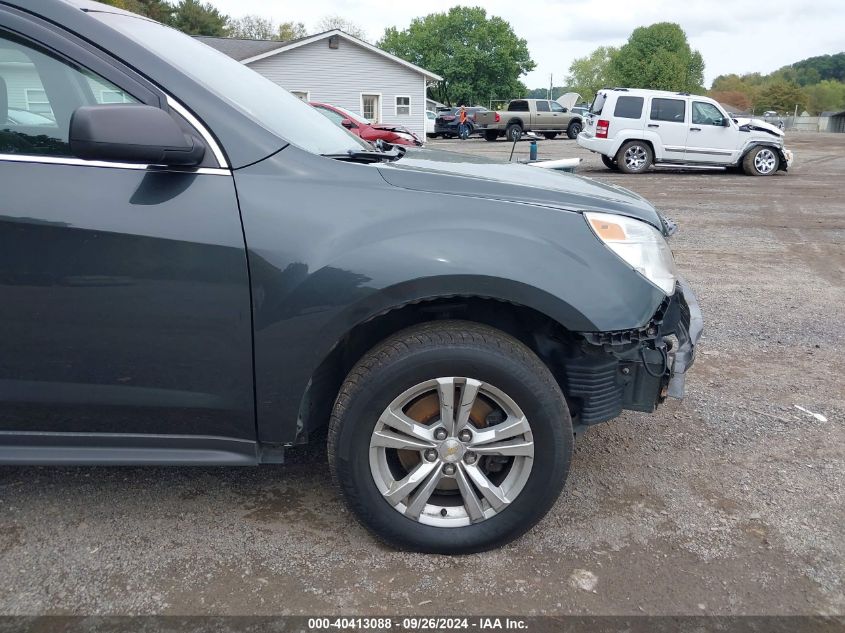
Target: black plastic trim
{"x":118,"y":449}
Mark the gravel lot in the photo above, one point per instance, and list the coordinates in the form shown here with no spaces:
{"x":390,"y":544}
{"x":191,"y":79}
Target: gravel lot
{"x":729,"y":502}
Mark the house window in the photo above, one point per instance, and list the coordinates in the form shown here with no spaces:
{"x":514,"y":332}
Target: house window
{"x":115,"y":96}
{"x":371,"y":107}
{"x":36,"y":101}
{"x":301,"y":94}
{"x":403,"y":106}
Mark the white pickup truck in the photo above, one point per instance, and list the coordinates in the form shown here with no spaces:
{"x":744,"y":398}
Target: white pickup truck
{"x":543,"y":116}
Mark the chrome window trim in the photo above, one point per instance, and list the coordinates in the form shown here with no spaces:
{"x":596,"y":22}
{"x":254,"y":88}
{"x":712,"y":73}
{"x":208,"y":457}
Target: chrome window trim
{"x":199,"y":127}
{"x":79,"y":162}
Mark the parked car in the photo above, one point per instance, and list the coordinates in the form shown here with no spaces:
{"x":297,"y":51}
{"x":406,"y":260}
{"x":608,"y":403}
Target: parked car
{"x":212,"y":272}
{"x":448,"y":121}
{"x":580,"y":110}
{"x":362,"y":128}
{"x":548,"y":118}
{"x":633,"y":129}
{"x":772,"y":117}
{"x":429,"y":122}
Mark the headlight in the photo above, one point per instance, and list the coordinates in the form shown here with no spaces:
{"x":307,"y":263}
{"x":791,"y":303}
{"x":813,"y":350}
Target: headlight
{"x":639,"y":244}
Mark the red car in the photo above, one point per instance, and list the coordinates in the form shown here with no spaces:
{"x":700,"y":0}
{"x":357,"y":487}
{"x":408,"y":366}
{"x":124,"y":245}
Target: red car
{"x":359,"y":126}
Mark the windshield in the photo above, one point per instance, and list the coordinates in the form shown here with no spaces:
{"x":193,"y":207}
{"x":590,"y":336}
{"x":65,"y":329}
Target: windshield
{"x":351,"y":115}
{"x":265,"y":102}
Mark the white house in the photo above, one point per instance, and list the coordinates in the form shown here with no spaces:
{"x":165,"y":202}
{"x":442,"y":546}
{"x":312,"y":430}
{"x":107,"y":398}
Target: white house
{"x":336,"y":68}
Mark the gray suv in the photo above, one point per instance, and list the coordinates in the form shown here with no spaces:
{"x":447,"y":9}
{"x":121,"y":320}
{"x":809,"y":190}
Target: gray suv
{"x":211,"y":272}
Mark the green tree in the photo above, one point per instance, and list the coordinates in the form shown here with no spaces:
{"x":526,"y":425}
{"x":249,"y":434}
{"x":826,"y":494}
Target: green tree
{"x":479,"y":56}
{"x":780,"y":96}
{"x":660,"y":58}
{"x":291,"y":31}
{"x":587,"y":75}
{"x":826,"y":95}
{"x":252,"y":27}
{"x":158,"y":10}
{"x":543,"y":93}
{"x":199,"y":18}
{"x":331,"y":22}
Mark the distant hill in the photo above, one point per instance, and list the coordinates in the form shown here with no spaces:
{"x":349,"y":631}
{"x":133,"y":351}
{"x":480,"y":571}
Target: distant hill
{"x":815,"y":69}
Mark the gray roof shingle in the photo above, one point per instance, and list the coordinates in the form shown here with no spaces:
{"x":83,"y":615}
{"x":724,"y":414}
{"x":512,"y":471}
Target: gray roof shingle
{"x":240,"y":49}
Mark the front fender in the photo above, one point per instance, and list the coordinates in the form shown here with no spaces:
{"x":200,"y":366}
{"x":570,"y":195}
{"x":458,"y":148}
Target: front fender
{"x":331,"y":245}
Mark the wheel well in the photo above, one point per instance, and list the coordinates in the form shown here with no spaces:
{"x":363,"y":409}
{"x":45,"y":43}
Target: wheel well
{"x":641,"y":140}
{"x":513,"y":122}
{"x":540,"y":333}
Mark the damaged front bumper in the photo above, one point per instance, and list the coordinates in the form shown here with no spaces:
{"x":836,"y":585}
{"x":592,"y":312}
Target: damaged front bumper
{"x":634,"y":369}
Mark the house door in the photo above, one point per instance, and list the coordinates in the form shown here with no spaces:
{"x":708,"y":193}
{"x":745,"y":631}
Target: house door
{"x":371,"y":107}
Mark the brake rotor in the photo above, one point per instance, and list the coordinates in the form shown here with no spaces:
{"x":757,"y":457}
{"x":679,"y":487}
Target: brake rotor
{"x":426,"y":410}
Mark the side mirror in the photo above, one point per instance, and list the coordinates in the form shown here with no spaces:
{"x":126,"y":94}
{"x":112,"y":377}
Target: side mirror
{"x":132,"y":133}
{"x":726,"y":122}
{"x":566,"y":110}
{"x":348,"y":124}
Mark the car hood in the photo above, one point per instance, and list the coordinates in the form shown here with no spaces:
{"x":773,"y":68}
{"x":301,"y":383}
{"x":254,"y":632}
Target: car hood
{"x":568,"y":100}
{"x":391,"y":128}
{"x":460,"y":174}
{"x":760,"y":125}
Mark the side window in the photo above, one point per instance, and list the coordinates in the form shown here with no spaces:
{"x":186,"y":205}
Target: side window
{"x":668,"y":110}
{"x":542,"y":106}
{"x":706,"y":114}
{"x":629,"y":107}
{"x":556,"y":107}
{"x":38,"y":95}
{"x":518,"y":106}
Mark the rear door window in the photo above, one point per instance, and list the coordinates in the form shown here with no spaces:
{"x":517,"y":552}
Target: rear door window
{"x":629,"y":107}
{"x":673,"y":110}
{"x":542,"y":106}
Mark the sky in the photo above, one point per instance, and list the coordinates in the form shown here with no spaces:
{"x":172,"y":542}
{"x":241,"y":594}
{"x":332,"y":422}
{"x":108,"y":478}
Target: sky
{"x":733,"y":36}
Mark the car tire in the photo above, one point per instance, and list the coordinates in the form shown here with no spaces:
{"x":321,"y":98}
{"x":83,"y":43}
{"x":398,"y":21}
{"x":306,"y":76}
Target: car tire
{"x":514,"y":132}
{"x":761,"y":161}
{"x":491,"y":135}
{"x":574,"y":129}
{"x":550,"y":135}
{"x":416,"y":365}
{"x":609,"y":163}
{"x":634,"y":157}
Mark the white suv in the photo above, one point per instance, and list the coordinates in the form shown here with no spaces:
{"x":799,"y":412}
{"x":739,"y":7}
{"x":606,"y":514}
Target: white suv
{"x":633,"y":129}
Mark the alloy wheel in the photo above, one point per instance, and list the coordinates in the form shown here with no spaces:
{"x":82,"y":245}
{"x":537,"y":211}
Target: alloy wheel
{"x":452,"y":451}
{"x":765,"y":161}
{"x":635,"y":157}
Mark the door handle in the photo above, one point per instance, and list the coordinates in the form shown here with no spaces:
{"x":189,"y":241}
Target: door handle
{"x":695,"y":129}
{"x":653,"y":125}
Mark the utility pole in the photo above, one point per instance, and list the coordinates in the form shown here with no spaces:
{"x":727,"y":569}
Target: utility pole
{"x":551,"y":84}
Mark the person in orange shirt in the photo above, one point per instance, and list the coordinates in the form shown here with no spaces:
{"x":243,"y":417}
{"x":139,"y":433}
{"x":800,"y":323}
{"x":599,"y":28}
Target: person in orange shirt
{"x":463,"y":128}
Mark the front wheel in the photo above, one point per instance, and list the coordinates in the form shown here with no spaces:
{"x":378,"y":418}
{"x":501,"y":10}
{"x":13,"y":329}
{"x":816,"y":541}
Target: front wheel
{"x":574,"y":129}
{"x":761,"y":161}
{"x":450,"y":437}
{"x":634,"y":157}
